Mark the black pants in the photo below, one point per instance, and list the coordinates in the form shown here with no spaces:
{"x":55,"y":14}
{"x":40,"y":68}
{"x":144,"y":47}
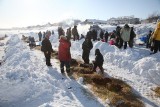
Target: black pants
{"x":106,"y":38}
{"x":156,"y":46}
{"x":121,"y":44}
{"x":48,"y":57}
{"x":40,"y":38}
{"x":98,"y":65}
{"x":85,"y":56}
{"x":66,"y":64}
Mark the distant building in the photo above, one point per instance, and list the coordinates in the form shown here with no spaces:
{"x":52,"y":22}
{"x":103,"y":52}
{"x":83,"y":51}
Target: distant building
{"x":123,"y":20}
{"x":94,"y":21}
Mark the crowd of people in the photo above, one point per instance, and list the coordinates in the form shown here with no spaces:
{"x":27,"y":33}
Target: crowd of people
{"x":120,"y":37}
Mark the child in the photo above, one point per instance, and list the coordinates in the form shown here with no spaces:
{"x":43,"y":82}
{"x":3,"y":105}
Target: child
{"x":98,"y":61}
{"x":64,"y":54}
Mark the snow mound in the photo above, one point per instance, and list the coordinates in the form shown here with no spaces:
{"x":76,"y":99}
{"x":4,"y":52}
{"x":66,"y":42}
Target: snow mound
{"x":148,"y":67}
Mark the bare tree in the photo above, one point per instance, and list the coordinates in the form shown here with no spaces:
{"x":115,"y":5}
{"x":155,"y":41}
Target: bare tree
{"x":153,"y":17}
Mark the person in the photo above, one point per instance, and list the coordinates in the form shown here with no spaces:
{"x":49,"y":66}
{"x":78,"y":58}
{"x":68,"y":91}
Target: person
{"x":106,"y":36}
{"x":94,"y":33}
{"x":112,"y":34}
{"x":89,"y":34}
{"x":148,"y":43}
{"x":152,"y":42}
{"x":60,"y":32}
{"x":125,"y":35}
{"x":40,"y":36}
{"x":64,"y":54}
{"x":156,"y":38}
{"x":68,"y":33}
{"x":117,"y":34}
{"x":44,"y":33}
{"x":47,"y":48}
{"x":52,"y":32}
{"x":98,"y":61}
{"x":132,"y":36}
{"x":86,"y":46}
{"x":75,"y":33}
{"x":32,"y":42}
{"x":101,"y":34}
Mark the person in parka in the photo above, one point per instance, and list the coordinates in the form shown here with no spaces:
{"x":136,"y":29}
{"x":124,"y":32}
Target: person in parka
{"x":132,"y":36}
{"x":98,"y":61}
{"x":148,"y":43}
{"x":40,"y":36}
{"x":86,"y":46}
{"x":156,"y":38}
{"x":125,"y":35}
{"x":64,"y":54}
{"x":106,"y":36}
{"x":60,"y":31}
{"x":75,"y":33}
{"x":47,"y":48}
{"x":68,"y":33}
{"x":117,"y":34}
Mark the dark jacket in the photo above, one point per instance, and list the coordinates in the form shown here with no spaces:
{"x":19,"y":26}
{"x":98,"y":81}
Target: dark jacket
{"x":87,"y":45}
{"x":60,"y":31}
{"x":99,"y":58}
{"x":46,"y":46}
{"x":75,"y":32}
{"x":132,"y":35}
{"x":68,"y":33}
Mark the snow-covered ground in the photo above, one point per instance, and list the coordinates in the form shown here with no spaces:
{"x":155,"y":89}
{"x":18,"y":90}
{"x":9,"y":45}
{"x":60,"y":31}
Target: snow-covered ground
{"x":26,"y":81}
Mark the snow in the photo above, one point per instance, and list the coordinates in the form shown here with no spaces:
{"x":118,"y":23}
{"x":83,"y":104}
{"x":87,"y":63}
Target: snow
{"x":26,"y":81}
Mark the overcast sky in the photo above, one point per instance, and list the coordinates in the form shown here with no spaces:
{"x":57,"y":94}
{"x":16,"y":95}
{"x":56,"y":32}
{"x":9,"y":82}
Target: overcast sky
{"x":22,"y":13}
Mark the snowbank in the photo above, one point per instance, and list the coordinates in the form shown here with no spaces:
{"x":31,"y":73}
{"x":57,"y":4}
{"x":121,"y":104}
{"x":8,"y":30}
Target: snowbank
{"x":27,"y":82}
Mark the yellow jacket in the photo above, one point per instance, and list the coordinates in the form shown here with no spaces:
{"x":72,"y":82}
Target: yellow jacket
{"x":156,"y":35}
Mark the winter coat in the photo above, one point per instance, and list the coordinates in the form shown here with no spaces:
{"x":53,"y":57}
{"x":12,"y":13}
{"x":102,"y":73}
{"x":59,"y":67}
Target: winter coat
{"x":99,"y":58}
{"x":75,"y":32}
{"x":40,"y":34}
{"x":132,"y":34}
{"x":106,"y":35}
{"x":156,"y":35}
{"x":60,"y":32}
{"x":125,"y":34}
{"x":89,"y":35}
{"x":68,"y":33}
{"x":117,"y":33}
{"x":87,"y":45}
{"x":94,"y":33}
{"x":64,"y":49}
{"x":46,"y":46}
{"x":101,"y":34}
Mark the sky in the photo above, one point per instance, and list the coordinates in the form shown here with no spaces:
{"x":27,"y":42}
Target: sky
{"x":22,"y":13}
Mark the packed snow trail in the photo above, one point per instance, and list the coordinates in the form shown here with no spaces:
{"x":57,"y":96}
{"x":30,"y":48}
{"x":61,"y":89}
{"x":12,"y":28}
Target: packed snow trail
{"x":27,"y":82}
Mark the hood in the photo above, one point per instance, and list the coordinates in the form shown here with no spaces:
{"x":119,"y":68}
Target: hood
{"x":62,"y":38}
{"x":97,"y":52}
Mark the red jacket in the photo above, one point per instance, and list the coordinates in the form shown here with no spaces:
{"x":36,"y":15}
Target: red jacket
{"x":64,"y":50}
